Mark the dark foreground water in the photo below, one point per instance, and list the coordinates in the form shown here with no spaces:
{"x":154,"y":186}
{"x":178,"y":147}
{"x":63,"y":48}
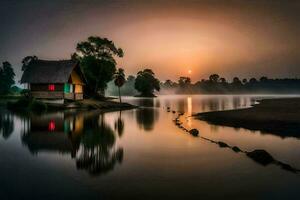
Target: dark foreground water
{"x":141,"y":154}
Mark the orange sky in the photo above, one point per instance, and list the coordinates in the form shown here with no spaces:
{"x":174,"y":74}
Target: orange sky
{"x":235,"y":38}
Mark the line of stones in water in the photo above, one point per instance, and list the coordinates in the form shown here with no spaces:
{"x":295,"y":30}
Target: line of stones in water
{"x":260,"y":156}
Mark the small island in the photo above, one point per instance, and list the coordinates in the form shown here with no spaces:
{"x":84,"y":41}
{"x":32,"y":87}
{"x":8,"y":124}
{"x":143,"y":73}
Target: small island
{"x":276,"y":116}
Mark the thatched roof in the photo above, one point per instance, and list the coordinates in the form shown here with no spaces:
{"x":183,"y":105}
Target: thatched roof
{"x":46,"y":71}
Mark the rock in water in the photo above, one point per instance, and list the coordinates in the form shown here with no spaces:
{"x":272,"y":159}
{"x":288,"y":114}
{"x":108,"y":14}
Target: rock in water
{"x":236,"y":149}
{"x":223,"y":144}
{"x":194,"y":132}
{"x":261,"y":156}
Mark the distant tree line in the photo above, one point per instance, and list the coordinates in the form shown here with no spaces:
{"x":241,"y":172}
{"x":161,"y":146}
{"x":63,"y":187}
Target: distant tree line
{"x":219,"y":85}
{"x":144,"y":84}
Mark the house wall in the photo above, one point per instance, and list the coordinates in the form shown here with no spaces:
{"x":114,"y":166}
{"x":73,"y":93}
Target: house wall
{"x":44,"y":87}
{"x":78,"y":89}
{"x":41,"y":91}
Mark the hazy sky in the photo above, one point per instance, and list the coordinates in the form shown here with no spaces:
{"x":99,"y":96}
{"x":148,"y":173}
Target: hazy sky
{"x":232,"y":38}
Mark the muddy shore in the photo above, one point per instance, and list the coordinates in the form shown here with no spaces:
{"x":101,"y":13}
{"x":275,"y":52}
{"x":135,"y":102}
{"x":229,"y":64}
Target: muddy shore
{"x":276,"y":116}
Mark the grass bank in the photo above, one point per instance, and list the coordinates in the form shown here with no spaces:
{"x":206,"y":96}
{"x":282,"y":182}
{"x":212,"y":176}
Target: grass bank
{"x":27,"y":105}
{"x":277,"y":116}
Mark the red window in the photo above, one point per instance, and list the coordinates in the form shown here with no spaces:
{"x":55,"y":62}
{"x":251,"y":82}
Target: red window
{"x":51,"y":125}
{"x":51,"y":87}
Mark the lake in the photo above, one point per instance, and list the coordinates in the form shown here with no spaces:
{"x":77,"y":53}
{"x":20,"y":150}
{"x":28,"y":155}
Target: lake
{"x":141,"y":154}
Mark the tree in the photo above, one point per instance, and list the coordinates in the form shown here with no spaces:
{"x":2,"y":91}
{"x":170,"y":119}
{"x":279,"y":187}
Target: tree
{"x":236,"y":81}
{"x":252,"y":80}
{"x":214,"y":78}
{"x":245,"y":81}
{"x":222,"y":80}
{"x":27,"y":60}
{"x":263,"y":79}
{"x":120,"y":80}
{"x":184,"y":82}
{"x":146,"y":83}
{"x":6,"y":77}
{"x":97,"y":58}
{"x":168,"y":84}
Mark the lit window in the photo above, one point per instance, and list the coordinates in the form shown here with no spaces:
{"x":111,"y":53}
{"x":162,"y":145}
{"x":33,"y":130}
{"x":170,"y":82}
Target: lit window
{"x":51,"y":125}
{"x":51,"y":87}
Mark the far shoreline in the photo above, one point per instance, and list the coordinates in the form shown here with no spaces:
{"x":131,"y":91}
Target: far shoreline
{"x":277,"y":116}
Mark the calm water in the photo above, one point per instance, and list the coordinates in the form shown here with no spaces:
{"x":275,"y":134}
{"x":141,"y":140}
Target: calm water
{"x":141,"y":154}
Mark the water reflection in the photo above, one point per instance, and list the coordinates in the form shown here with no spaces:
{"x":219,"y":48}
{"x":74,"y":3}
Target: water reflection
{"x":119,"y":125}
{"x":147,"y":102}
{"x":146,"y":118}
{"x":6,"y":125}
{"x":85,"y":136}
{"x":98,"y":154}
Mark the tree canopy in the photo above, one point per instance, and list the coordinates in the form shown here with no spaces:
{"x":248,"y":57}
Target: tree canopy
{"x":27,"y":60}
{"x":97,"y":58}
{"x":7,"y":76}
{"x":146,"y":83}
{"x":120,"y":77}
{"x":184,"y":82}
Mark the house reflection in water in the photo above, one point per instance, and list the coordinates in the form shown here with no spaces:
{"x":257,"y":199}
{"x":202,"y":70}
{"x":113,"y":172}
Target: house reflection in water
{"x":86,"y":137}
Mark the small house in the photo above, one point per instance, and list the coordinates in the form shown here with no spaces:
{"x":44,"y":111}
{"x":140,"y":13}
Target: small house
{"x":54,"y":81}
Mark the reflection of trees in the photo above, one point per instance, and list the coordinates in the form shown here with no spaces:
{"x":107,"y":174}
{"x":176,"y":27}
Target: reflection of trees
{"x":236,"y":102}
{"x":146,"y":102}
{"x":146,"y":117}
{"x":181,"y":105}
{"x":211,"y":104}
{"x":119,"y":125}
{"x":98,"y":154}
{"x":6,"y":125}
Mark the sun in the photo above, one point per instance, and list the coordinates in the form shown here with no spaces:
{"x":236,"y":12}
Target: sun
{"x":189,"y":71}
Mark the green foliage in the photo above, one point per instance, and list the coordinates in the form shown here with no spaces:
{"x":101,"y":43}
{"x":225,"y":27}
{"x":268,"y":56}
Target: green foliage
{"x":96,"y":56}
{"x":6,"y":77}
{"x":97,"y":72}
{"x":146,"y":83}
